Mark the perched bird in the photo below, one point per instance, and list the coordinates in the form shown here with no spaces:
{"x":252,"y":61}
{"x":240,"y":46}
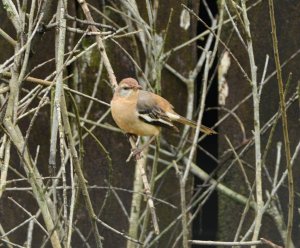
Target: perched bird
{"x":142,"y":113}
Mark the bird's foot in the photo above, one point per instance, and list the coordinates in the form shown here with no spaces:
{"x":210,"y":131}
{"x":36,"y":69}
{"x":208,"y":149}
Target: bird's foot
{"x":136,"y":153}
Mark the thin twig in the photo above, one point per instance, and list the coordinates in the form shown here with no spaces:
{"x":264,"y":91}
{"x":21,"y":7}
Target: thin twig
{"x":7,"y":37}
{"x":245,"y":243}
{"x":5,"y":239}
{"x":149,"y":195}
{"x":284,"y":127}
{"x":118,"y":232}
{"x":50,"y":83}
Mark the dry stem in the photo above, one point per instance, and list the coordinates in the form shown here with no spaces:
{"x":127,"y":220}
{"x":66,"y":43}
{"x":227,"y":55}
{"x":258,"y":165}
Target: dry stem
{"x":284,"y":127}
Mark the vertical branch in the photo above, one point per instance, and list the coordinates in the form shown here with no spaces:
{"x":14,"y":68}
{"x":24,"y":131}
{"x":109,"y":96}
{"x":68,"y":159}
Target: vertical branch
{"x":185,"y":231}
{"x":72,"y":206}
{"x":190,"y":81}
{"x":78,"y":171}
{"x":284,"y":126}
{"x":30,"y":30}
{"x":146,"y":186}
{"x":258,"y":167}
{"x":63,"y":174}
{"x":135,"y":209}
{"x":12,"y":13}
{"x":152,"y":183}
{"x":100,"y":44}
{"x":96,"y":85}
{"x":6,"y":145}
{"x":184,"y":178}
{"x":202,"y":104}
{"x":56,"y":118}
{"x":60,"y":49}
{"x":149,"y":197}
{"x":34,"y":179}
{"x":141,"y":167}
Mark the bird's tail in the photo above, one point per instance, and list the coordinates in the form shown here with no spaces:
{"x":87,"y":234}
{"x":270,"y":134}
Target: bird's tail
{"x":193,"y":124}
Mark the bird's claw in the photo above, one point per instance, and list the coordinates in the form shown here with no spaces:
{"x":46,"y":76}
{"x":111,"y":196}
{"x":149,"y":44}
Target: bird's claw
{"x":136,"y":153}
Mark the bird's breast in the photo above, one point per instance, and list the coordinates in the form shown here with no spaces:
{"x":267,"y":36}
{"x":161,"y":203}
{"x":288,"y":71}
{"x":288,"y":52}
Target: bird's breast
{"x":126,"y":117}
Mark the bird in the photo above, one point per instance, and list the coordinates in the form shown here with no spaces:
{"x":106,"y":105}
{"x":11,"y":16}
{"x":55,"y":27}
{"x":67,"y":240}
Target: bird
{"x":138,"y":112}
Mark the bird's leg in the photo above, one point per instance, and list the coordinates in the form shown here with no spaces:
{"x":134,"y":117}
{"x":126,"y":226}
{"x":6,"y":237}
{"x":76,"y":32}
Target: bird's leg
{"x":138,"y":150}
{"x":138,"y":141}
{"x":131,"y":137}
{"x":134,"y":140}
{"x":135,"y":150}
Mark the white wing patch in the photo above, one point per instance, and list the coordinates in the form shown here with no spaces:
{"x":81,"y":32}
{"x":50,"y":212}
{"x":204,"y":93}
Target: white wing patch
{"x":172,"y":116}
{"x":148,"y":118}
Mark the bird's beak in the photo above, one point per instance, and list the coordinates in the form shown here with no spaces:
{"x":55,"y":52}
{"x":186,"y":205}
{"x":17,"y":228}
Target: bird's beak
{"x":139,"y":87}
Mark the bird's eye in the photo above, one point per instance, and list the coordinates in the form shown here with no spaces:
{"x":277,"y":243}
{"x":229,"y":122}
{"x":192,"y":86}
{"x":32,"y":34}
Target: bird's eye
{"x":126,"y":88}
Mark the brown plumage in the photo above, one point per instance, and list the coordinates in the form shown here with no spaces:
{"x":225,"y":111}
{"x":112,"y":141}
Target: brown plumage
{"x":143,"y":113}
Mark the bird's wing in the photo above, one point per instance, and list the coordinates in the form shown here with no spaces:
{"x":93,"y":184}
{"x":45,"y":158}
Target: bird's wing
{"x":152,"y":109}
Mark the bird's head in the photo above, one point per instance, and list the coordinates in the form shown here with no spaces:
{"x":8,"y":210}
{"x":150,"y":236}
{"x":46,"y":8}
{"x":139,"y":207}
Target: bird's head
{"x":128,"y":87}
